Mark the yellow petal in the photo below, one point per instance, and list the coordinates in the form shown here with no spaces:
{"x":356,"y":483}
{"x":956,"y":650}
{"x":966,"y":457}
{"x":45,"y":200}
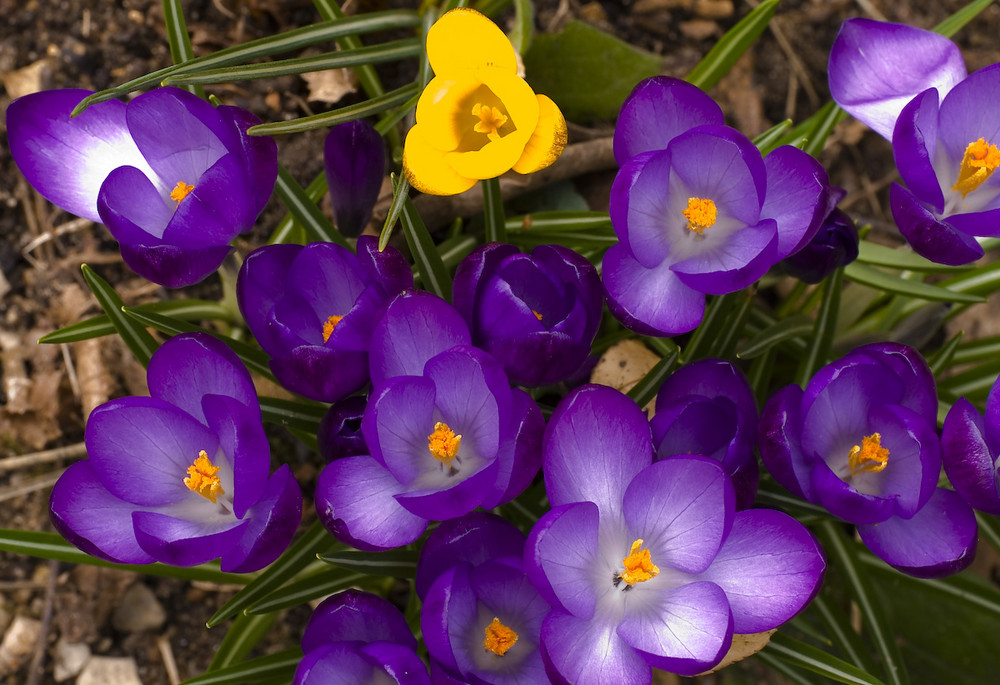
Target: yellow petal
{"x":444,"y":110}
{"x":426,"y":168}
{"x":465,"y":39}
{"x":546,"y":142}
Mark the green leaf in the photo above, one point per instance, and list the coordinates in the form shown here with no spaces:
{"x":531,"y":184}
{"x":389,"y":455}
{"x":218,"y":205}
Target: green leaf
{"x":942,"y":359}
{"x":136,"y":337}
{"x":360,"y":110}
{"x":713,"y":324}
{"x":99,"y":326}
{"x":587,"y":72}
{"x":308,"y":589}
{"x":723,"y":55}
{"x":841,"y":632}
{"x":953,"y":24}
{"x":989,"y":529}
{"x":901,"y":259}
{"x":315,"y":540}
{"x":794,"y":327}
{"x":318,"y":228}
{"x":289,"y":229}
{"x":177,"y":36}
{"x":973,"y":384}
{"x":273,"y":666}
{"x":496,"y":230}
{"x":367,"y":76}
{"x":646,"y":389}
{"x":524,"y":26}
{"x":819,"y":127}
{"x":803,"y":655}
{"x":241,"y":637}
{"x":400,"y":563}
{"x":294,"y":414}
{"x":572,"y":239}
{"x":771,"y":138}
{"x":984,"y":349}
{"x":875,"y":278}
{"x":52,"y":546}
{"x":375,"y":54}
{"x":433,"y":273}
{"x":559,"y":221}
{"x":789,"y":672}
{"x":400,"y":191}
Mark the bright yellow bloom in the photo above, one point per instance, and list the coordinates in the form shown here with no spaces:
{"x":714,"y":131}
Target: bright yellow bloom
{"x":477,"y":118}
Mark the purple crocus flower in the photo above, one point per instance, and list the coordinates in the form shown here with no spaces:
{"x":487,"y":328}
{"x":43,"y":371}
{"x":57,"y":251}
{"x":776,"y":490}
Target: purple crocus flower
{"x":970,"y":446}
{"x":696,"y":209}
{"x":357,"y":637}
{"x":707,"y":407}
{"x":313,"y":309}
{"x":649,"y":564}
{"x":354,"y":158}
{"x":537,"y":313}
{"x":446,"y":432}
{"x":911,"y":87}
{"x":173,"y":178}
{"x":834,"y":245}
{"x":339,"y":432}
{"x":860,"y":440}
{"x":481,"y":617}
{"x":180,"y":477}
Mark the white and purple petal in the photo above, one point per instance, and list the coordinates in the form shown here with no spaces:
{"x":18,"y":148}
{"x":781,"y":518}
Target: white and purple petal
{"x":968,"y":459}
{"x":797,"y":191}
{"x":271,"y":522}
{"x":589,"y":652}
{"x":930,"y":237}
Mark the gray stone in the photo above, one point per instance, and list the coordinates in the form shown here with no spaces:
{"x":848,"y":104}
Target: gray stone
{"x":138,"y":611}
{"x":19,"y":643}
{"x":71,"y":657}
{"x":109,"y":670}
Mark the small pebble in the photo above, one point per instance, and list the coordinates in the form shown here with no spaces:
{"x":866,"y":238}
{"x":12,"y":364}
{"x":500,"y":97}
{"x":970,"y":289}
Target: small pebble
{"x":109,"y":670}
{"x":139,"y":610}
{"x":71,"y":657}
{"x":699,"y":29}
{"x":713,"y":9}
{"x":18,"y":643}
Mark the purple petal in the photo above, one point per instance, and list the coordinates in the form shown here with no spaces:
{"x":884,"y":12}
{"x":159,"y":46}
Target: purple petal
{"x":182,"y":542}
{"x":936,"y":240}
{"x":355,"y":615}
{"x":780,"y":442}
{"x":242,"y":440}
{"x":259,"y":154}
{"x":709,"y":378}
{"x":416,"y":327}
{"x":473,"y":538}
{"x":967,"y":457}
{"x":797,"y":189}
{"x":741,"y":259}
{"x":585,"y":652}
{"x":876,"y":68}
{"x":339,"y":432}
{"x":938,"y":541}
{"x":621,"y":192}
{"x":341,"y":663}
{"x":914,"y":145}
{"x":964,"y":120}
{"x":520,"y":454}
{"x":643,"y":202}
{"x":64,"y":159}
{"x":456,"y":498}
{"x":561,"y":555}
{"x":197,"y":360}
{"x":354,"y":159}
{"x":985,"y":223}
{"x":388,"y":268}
{"x":685,"y":630}
{"x":770,"y":567}
{"x":132,"y":208}
{"x":658,"y":110}
{"x":476,"y":268}
{"x":272,"y":521}
{"x":260,"y":285}
{"x":449,"y":611}
{"x":141,"y":447}
{"x":321,"y":373}
{"x":396,"y":423}
{"x":398,"y":662}
{"x":596,"y":442}
{"x":216,"y":211}
{"x":90,"y":517}
{"x":355,"y":501}
{"x":172,"y":266}
{"x":649,"y":301}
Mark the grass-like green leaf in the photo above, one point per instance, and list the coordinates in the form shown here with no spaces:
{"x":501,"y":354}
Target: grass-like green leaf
{"x":433,"y":273}
{"x":715,"y":321}
{"x":375,"y":54}
{"x":771,"y":138}
{"x":360,"y":110}
{"x":953,"y":24}
{"x":820,"y":126}
{"x":400,"y":563}
{"x":942,"y":359}
{"x":100,"y":325}
{"x":576,"y":240}
{"x":400,"y":191}
{"x":308,"y":215}
{"x":274,"y":667}
{"x":307,"y":589}
{"x":723,"y":55}
{"x":794,"y":327}
{"x":646,"y":389}
{"x":880,"y":280}
{"x":824,"y":330}
{"x":971,"y":351}
{"x":314,"y":541}
{"x":177,"y":35}
{"x":901,"y":259}
{"x":524,"y":26}
{"x":300,"y":414}
{"x":367,"y":76}
{"x":136,"y":337}
{"x":493,"y":216}
{"x":973,"y":384}
{"x":838,"y":627}
{"x":559,"y":221}
{"x":290,"y":229}
{"x":804,"y":655}
{"x":241,"y":637}
{"x":51,"y":546}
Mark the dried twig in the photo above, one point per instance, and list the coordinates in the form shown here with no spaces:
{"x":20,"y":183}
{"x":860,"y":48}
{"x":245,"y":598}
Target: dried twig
{"x":44,"y":457}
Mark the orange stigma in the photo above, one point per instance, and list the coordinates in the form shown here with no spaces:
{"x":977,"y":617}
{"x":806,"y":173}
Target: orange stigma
{"x":537,"y":315}
{"x":443,"y":443}
{"x":202,"y":479}
{"x":180,"y":191}
{"x":978,"y":163}
{"x":499,"y":638}
{"x":491,"y":119}
{"x":700,"y":214}
{"x":639,"y":567}
{"x":329,"y":325}
{"x":869,"y":456}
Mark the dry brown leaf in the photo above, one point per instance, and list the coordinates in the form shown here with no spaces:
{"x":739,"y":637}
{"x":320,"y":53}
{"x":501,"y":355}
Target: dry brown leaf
{"x":744,"y":646}
{"x":624,"y":365}
{"x":29,"y":79}
{"x":331,"y":85}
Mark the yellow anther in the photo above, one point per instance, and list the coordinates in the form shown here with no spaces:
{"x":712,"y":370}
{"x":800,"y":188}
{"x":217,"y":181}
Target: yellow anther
{"x":180,"y":191}
{"x":443,"y":443}
{"x":202,"y":479}
{"x":329,"y":325}
{"x":499,"y":638}
{"x":537,"y":315}
{"x":978,"y":163}
{"x":700,"y":214}
{"x":869,"y":456}
{"x":491,"y":119}
{"x":638,"y":565}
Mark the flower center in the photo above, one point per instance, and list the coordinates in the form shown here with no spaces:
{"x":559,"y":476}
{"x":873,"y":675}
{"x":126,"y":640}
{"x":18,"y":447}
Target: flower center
{"x":443,"y":443}
{"x":700,"y":213}
{"x":499,"y":638}
{"x":537,"y":315}
{"x":978,"y":163}
{"x":329,"y":325}
{"x":869,"y":456}
{"x":202,"y":479}
{"x":490,"y":120}
{"x":180,"y":191}
{"x":638,"y":565}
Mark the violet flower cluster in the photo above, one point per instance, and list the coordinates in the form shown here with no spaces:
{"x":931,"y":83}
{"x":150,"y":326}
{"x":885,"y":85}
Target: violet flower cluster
{"x":172,"y":177}
{"x":912,"y":88}
{"x":182,"y":476}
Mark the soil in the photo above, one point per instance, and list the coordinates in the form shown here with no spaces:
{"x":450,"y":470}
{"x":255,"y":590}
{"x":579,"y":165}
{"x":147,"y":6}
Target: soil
{"x":48,"y":390}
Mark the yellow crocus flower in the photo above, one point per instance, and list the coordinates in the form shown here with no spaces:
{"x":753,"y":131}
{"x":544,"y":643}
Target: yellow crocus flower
{"x":477,"y":118}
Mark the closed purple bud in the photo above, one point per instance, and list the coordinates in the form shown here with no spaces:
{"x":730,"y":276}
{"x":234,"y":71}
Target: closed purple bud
{"x":340,"y":430}
{"x":354,"y":158}
{"x":834,"y":245}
